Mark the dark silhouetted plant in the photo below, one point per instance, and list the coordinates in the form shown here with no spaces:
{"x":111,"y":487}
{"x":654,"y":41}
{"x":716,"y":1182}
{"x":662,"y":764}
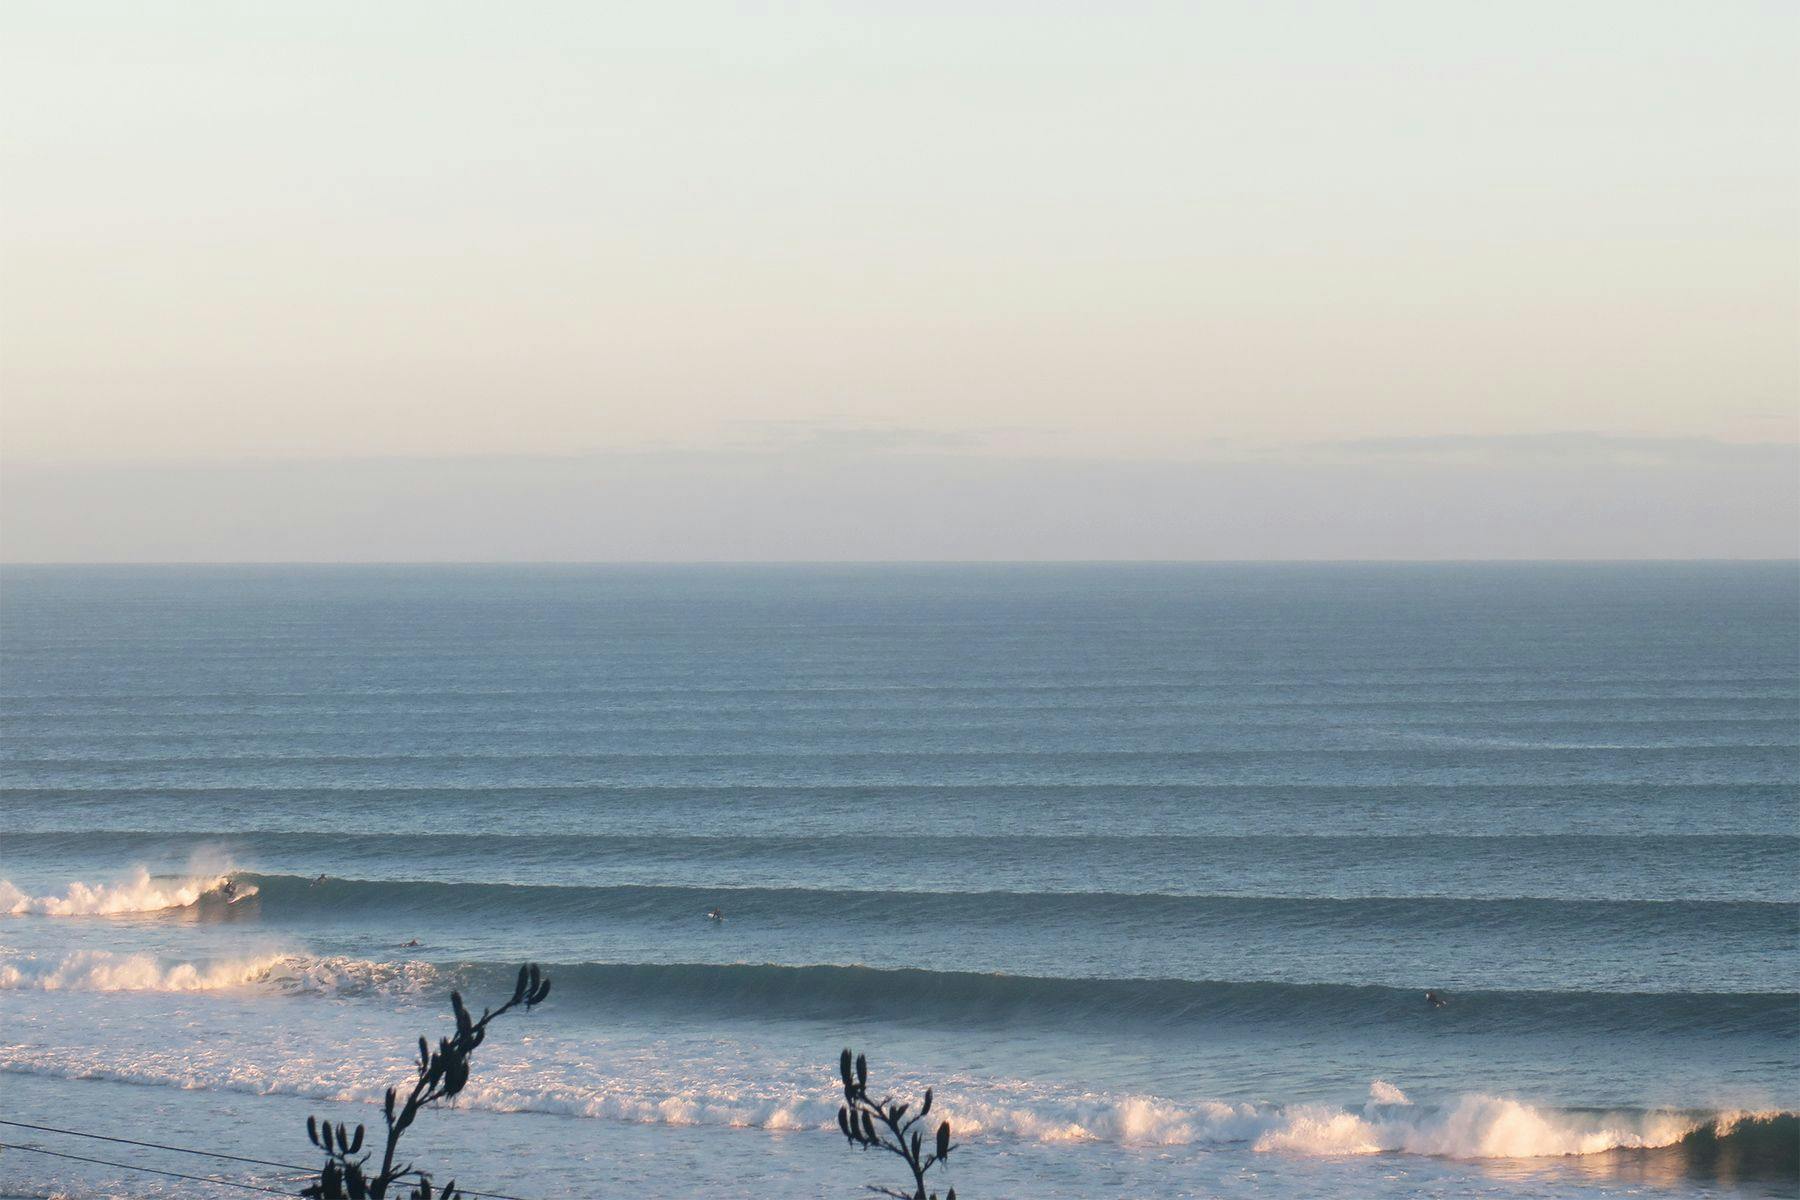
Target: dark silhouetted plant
{"x":883,"y":1125}
{"x":442,"y":1073}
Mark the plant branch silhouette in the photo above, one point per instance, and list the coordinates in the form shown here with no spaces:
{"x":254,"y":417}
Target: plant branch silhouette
{"x":441,"y":1074}
{"x":883,"y":1125}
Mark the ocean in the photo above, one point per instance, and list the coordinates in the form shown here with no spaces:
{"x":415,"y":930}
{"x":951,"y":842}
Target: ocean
{"x":1145,"y":869}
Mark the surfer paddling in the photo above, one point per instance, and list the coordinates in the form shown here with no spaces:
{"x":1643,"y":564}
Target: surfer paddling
{"x":1435,"y":1000}
{"x":715,"y":914}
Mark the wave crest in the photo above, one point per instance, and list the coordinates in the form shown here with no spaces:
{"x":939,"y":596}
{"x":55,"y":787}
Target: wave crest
{"x":969,"y":999}
{"x":136,"y":893}
{"x":1473,"y":1126}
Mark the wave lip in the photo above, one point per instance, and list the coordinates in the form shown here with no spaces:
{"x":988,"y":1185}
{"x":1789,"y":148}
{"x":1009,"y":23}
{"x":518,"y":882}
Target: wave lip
{"x":138,"y":892}
{"x":1474,"y":1126}
{"x":1741,"y":1145}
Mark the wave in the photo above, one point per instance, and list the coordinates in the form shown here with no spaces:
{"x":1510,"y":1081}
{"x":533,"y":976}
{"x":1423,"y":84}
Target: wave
{"x":989,"y":807}
{"x":138,"y":892}
{"x":386,"y":845}
{"x":287,"y":897}
{"x":1431,"y":794}
{"x":1471,"y":1126}
{"x":1743,"y":1145}
{"x":104,"y":971}
{"x":107,"y":971}
{"x":1481,"y":1126}
{"x":1699,"y":867}
{"x":962,"y":999}
{"x":910,"y":996}
{"x":1467,"y":1126}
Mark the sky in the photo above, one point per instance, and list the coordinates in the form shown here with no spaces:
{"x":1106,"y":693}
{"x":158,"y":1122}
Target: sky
{"x":539,"y":281}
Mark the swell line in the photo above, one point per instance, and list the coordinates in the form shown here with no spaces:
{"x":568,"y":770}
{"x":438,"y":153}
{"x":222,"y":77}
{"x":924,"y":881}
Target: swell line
{"x":915,"y":996}
{"x":861,"y":913}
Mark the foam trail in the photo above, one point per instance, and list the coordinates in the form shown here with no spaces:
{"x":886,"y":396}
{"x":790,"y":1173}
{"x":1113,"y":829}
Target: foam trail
{"x":1470,"y":1126}
{"x":137,"y":893}
{"x":103,"y":971}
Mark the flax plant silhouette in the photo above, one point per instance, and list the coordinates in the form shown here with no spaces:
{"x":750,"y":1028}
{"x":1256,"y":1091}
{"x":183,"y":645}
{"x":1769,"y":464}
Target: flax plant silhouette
{"x":883,"y":1125}
{"x":442,"y":1073}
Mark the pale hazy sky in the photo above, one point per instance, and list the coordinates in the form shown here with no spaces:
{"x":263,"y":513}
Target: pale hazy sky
{"x":535,"y":280}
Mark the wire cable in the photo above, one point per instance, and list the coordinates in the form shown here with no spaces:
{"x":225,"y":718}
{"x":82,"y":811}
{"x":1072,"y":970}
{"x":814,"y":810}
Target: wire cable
{"x":236,"y":1183}
{"x":101,"y":1137}
{"x":260,"y":1162}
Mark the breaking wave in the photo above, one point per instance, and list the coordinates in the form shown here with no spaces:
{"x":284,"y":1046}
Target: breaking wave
{"x":1490,"y":867}
{"x":105,"y":971}
{"x":1469,"y":1126}
{"x":138,"y":892}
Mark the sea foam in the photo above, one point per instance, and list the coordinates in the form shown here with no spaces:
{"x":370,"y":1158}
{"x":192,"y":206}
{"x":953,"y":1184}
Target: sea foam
{"x":106,"y":971}
{"x":138,"y":892}
{"x":1469,"y":1126}
{"x":103,"y":971}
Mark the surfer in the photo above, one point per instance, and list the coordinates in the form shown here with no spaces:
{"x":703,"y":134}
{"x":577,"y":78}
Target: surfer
{"x":319,"y":880}
{"x":228,"y":889}
{"x":1435,"y":1000}
{"x":412,"y":945}
{"x":715,"y":914}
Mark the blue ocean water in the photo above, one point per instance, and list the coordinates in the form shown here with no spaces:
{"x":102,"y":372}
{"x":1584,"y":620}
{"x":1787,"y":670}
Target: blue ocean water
{"x":1145,"y":868}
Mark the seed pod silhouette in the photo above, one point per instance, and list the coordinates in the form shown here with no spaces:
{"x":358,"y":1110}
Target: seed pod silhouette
{"x":925,"y":1107}
{"x":844,"y":1067}
{"x":844,"y":1122}
{"x":464,"y":1025}
{"x":943,"y":1145}
{"x":868,"y":1124}
{"x":312,"y":1130}
{"x":915,"y":1145}
{"x":862,"y":1071}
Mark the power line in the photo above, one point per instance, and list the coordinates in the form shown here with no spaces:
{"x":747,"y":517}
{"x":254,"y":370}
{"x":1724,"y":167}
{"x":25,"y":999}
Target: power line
{"x":236,"y":1183}
{"x":101,"y":1137}
{"x":260,"y":1162}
